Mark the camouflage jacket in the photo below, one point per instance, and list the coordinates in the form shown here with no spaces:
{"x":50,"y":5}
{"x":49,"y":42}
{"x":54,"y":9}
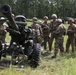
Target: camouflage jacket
{"x":71,"y":30}
{"x":45,"y":30}
{"x":37,"y":33}
{"x":60,"y":31}
{"x":52,"y":26}
{"x":37,"y":28}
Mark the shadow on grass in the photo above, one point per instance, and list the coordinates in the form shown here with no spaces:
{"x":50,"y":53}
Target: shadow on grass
{"x":7,"y":63}
{"x":70,"y":55}
{"x":47,"y":53}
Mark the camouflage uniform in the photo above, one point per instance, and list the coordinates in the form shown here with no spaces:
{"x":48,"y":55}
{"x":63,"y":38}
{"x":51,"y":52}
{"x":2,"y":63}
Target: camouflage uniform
{"x":59,"y":38}
{"x":46,"y":36}
{"x":52,"y":28}
{"x":38,"y":32}
{"x":71,"y":37}
{"x":3,"y":32}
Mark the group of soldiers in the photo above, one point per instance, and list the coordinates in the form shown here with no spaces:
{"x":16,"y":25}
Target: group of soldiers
{"x":48,"y":32}
{"x":55,"y":30}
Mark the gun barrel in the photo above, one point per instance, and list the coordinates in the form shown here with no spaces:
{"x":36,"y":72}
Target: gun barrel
{"x":7,"y":12}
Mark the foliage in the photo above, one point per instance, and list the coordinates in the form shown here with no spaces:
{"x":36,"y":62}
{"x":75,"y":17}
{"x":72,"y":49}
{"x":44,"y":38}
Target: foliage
{"x":40,"y":8}
{"x":62,"y":65}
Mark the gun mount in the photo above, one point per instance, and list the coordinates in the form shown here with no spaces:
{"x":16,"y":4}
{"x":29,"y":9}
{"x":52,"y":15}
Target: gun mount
{"x":22,"y":37}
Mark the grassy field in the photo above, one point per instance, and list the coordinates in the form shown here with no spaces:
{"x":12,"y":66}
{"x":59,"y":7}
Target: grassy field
{"x":62,"y":65}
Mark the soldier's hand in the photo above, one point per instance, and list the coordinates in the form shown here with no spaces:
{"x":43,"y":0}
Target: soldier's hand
{"x":7,"y":29}
{"x":71,"y":31}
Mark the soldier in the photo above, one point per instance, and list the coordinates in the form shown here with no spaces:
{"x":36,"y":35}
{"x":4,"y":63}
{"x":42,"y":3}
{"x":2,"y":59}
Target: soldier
{"x":45,"y":28}
{"x":2,"y":29}
{"x":59,"y":37}
{"x":52,"y":25}
{"x":38,"y":31}
{"x":71,"y":35}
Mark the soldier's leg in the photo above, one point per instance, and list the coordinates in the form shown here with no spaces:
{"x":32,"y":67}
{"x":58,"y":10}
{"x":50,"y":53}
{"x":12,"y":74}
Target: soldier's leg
{"x":56,"y":49}
{"x":3,"y":39}
{"x":51,"y":42}
{"x":73,"y":44}
{"x":67,"y":45}
{"x":61,"y":47}
{"x":45,"y":43}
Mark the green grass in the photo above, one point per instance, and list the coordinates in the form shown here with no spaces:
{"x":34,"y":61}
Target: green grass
{"x":62,"y":65}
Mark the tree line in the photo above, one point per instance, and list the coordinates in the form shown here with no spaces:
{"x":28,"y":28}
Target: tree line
{"x":40,"y":8}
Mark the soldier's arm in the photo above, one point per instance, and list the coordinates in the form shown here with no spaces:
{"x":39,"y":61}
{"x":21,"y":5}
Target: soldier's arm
{"x":72,"y":30}
{"x":41,"y":33}
{"x":57,"y":31}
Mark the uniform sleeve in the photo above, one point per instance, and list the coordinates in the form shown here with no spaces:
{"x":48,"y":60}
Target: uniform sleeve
{"x":58,"y":30}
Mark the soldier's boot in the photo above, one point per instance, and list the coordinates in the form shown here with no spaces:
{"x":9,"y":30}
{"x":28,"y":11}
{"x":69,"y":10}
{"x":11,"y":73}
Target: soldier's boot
{"x":55,"y":54}
{"x":45,"y":46}
{"x":67,"y":46}
{"x":50,"y":48}
{"x":67,"y":49}
{"x":73,"y":49}
{"x":62,"y":52}
{"x":50,"y":43}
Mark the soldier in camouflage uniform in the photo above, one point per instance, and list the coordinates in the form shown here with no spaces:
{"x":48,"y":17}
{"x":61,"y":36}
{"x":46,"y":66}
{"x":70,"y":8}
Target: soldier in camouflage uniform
{"x":59,"y":37}
{"x":71,"y":35}
{"x":2,"y":29}
{"x":52,"y":25}
{"x":45,"y":29}
{"x":38,"y":31}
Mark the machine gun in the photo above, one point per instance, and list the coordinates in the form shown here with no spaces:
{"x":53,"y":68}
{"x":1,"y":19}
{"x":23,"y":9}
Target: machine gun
{"x":22,"y":37}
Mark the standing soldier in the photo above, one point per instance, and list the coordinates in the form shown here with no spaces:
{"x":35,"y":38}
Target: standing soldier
{"x":71,"y":35}
{"x":45,"y":28}
{"x":2,"y":29}
{"x":59,"y":37}
{"x":2,"y":33}
{"x":37,"y":30}
{"x":52,"y":28}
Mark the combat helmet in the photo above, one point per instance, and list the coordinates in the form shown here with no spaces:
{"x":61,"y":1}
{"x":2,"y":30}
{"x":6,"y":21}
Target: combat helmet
{"x":21,"y":20}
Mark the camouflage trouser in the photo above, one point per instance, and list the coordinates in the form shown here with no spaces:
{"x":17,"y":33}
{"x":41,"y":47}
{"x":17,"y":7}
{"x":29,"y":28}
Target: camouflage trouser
{"x":51,"y":41}
{"x":2,"y":38}
{"x":70,"y":41}
{"x":46,"y":40}
{"x":58,"y":45}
